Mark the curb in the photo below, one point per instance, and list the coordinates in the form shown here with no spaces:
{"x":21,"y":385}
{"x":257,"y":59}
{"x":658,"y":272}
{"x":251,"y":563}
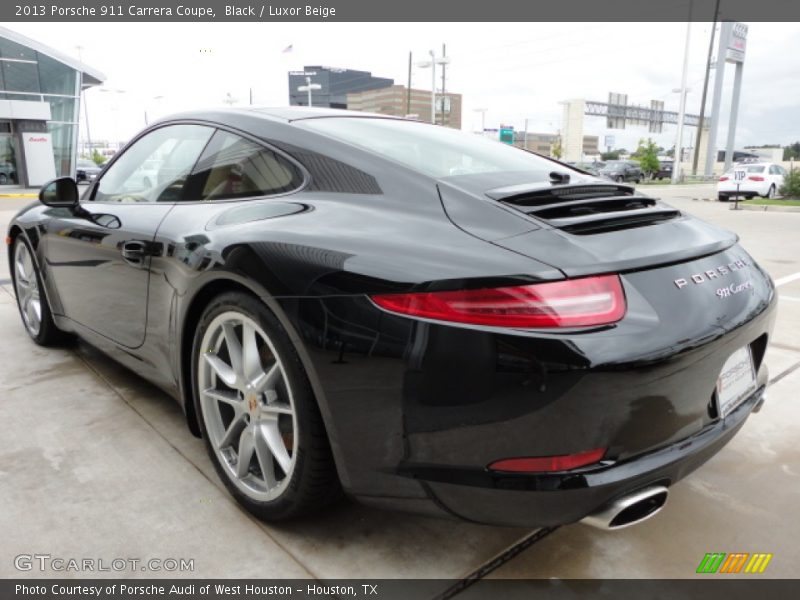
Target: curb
{"x":772,"y":207}
{"x":755,"y":207}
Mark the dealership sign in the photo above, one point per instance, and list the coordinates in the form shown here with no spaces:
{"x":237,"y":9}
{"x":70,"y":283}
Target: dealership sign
{"x":737,"y":43}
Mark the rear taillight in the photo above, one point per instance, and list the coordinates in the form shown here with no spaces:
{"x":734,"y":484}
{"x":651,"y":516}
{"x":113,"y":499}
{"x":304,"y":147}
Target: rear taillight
{"x":548,"y":464}
{"x":724,"y":178}
{"x":570,"y":303}
{"x":756,"y":178}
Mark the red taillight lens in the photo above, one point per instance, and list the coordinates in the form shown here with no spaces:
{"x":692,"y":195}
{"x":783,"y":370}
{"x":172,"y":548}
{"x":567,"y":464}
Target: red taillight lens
{"x":724,"y":178}
{"x":756,"y":178}
{"x":570,"y":303}
{"x":547,"y":464}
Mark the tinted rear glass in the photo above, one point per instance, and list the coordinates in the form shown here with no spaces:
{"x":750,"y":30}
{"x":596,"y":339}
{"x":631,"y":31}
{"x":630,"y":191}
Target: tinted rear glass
{"x":431,"y":149}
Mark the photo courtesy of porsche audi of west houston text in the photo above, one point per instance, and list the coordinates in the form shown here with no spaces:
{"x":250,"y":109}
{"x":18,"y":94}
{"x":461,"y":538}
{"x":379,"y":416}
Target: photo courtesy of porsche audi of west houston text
{"x":414,"y":316}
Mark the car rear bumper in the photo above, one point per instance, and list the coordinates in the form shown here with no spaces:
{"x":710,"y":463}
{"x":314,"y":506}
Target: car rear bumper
{"x":748,"y":187}
{"x":560,"y":498}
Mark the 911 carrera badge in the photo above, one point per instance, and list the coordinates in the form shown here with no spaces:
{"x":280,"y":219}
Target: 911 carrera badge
{"x":734,"y":288}
{"x":715,"y":273}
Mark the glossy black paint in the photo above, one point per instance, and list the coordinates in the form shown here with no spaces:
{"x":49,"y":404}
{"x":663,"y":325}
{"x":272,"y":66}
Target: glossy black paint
{"x":416,"y":410}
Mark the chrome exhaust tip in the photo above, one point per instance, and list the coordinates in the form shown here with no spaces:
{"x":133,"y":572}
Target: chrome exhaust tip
{"x":629,"y":510}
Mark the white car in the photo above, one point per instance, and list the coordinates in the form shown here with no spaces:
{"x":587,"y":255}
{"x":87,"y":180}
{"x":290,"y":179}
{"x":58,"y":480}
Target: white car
{"x":751,"y":179}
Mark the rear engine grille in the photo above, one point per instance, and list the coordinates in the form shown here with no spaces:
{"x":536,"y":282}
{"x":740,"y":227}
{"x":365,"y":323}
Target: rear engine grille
{"x":586,"y":209}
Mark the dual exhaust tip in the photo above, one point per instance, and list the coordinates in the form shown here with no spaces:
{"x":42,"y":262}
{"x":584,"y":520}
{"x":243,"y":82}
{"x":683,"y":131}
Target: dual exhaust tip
{"x":629,"y":510}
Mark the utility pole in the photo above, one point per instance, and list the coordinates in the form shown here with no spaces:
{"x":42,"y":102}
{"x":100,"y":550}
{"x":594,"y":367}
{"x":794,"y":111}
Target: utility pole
{"x":696,"y":152}
{"x":408,"y":89}
{"x":676,"y":169}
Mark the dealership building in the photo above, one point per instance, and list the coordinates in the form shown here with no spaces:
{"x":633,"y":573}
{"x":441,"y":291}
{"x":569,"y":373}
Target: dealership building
{"x":331,"y":86}
{"x":40,"y":97}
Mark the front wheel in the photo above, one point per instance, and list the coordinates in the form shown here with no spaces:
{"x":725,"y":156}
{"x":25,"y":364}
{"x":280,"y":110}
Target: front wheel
{"x":259,"y":418}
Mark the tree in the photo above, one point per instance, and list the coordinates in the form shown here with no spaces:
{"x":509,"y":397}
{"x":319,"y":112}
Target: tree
{"x":791,"y":185}
{"x":556,"y":149}
{"x":98,"y":158}
{"x":792,"y":151}
{"x":647,"y":154}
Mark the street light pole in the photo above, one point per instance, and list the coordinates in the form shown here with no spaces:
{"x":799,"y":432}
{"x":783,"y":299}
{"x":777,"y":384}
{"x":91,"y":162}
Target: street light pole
{"x":432,"y":64}
{"x":433,"y":86}
{"x":85,"y":104}
{"x":308,"y":87}
{"x":483,"y":118}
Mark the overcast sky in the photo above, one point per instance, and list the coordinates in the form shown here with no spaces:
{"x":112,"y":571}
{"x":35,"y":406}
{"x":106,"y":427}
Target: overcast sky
{"x":515,"y":70}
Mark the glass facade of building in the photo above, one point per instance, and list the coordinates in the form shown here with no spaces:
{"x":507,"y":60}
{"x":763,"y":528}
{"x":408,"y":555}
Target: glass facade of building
{"x":26,"y":74}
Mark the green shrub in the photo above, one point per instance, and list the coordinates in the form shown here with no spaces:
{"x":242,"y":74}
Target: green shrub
{"x":791,"y":185}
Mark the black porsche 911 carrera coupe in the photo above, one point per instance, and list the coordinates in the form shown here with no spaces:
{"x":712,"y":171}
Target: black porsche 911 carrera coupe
{"x":418,"y":317}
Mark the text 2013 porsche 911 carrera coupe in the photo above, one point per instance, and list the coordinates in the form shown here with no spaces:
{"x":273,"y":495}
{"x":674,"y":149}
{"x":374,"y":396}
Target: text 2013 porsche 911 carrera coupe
{"x":416,"y":316}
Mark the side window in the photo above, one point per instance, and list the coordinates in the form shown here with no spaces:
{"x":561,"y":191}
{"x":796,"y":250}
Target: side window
{"x":233,"y":167}
{"x":154,"y":169}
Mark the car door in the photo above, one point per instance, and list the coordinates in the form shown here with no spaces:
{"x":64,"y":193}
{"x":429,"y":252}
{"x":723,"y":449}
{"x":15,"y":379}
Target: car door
{"x":99,"y":255}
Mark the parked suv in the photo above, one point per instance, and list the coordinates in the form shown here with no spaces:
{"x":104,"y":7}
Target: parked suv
{"x":622,"y":170}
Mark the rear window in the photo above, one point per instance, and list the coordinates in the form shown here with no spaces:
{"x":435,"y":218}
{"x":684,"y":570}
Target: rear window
{"x":430,"y":149}
{"x":755,"y":169}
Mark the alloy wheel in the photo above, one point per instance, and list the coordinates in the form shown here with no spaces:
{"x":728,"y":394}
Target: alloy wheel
{"x":247,"y":406}
{"x":27,"y":285}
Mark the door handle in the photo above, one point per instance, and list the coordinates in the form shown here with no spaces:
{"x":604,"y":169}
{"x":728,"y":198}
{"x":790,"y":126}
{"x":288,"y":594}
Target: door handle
{"x":134,"y":251}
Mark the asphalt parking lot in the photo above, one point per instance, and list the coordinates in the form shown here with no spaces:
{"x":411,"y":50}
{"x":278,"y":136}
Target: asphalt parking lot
{"x":97,"y":463}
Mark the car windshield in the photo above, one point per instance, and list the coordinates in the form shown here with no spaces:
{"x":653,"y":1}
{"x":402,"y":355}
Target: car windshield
{"x":430,"y":149}
{"x":613,"y":165}
{"x":86,"y":164}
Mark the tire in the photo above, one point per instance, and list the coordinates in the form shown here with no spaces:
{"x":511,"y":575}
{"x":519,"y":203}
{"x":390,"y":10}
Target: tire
{"x":771,"y":192}
{"x":722,"y":198}
{"x":252,"y":395}
{"x":3,"y":178}
{"x":31,"y":301}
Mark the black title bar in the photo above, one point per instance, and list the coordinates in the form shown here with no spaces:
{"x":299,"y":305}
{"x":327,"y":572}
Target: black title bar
{"x":406,"y":10}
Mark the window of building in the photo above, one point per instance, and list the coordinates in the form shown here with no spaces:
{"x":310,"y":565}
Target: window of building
{"x":20,"y":76}
{"x":233,"y":167}
{"x":56,"y":77}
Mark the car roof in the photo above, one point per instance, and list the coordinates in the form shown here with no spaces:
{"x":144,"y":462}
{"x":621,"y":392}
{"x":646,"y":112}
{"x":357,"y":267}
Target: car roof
{"x":282,"y":113}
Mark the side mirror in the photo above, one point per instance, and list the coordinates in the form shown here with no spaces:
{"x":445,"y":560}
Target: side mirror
{"x":61,"y":192}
